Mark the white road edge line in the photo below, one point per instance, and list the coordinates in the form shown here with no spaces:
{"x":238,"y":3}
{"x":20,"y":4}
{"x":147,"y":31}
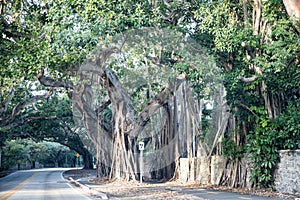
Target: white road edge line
{"x":246,"y":198}
{"x":62,"y":177}
{"x":86,"y":188}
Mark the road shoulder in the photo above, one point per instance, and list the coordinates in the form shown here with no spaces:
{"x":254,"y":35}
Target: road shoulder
{"x":163,"y":190}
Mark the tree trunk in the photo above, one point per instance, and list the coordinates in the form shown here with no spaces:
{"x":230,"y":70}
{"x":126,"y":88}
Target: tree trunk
{"x":87,"y":160}
{"x":293,"y":8}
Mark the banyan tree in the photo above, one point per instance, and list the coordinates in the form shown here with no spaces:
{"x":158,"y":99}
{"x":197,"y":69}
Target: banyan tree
{"x":149,"y":85}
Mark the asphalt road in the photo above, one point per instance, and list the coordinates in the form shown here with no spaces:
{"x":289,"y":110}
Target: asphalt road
{"x":46,"y":184}
{"x":181,"y":193}
{"x":221,"y":195}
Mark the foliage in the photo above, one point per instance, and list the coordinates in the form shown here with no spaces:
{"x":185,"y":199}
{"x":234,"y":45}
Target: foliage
{"x":50,"y":120}
{"x":21,"y":151}
{"x":288,"y":127}
{"x":231,"y":150}
{"x":262,"y":146}
{"x":270,"y":137}
{"x":78,"y":28}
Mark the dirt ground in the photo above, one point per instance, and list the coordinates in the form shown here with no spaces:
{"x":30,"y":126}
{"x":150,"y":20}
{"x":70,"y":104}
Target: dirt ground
{"x":155,"y":190}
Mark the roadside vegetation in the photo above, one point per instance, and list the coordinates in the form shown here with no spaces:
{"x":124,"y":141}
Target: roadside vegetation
{"x":27,"y":154}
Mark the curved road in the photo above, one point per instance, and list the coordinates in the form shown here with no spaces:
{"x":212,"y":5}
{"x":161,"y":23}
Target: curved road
{"x":46,"y":184}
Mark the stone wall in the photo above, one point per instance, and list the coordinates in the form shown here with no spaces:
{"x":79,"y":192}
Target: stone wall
{"x":287,"y":175}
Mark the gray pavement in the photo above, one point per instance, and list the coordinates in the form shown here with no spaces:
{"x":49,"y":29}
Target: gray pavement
{"x":46,"y":184}
{"x":221,"y":195}
{"x":169,"y":191}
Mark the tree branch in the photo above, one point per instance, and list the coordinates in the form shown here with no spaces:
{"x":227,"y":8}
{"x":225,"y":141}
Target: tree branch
{"x":10,"y":97}
{"x":27,"y":120}
{"x":102,"y":107}
{"x":157,"y":102}
{"x":21,"y":105}
{"x":50,"y":82}
{"x":249,"y":80}
{"x":248,"y":49}
{"x":247,"y":108}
